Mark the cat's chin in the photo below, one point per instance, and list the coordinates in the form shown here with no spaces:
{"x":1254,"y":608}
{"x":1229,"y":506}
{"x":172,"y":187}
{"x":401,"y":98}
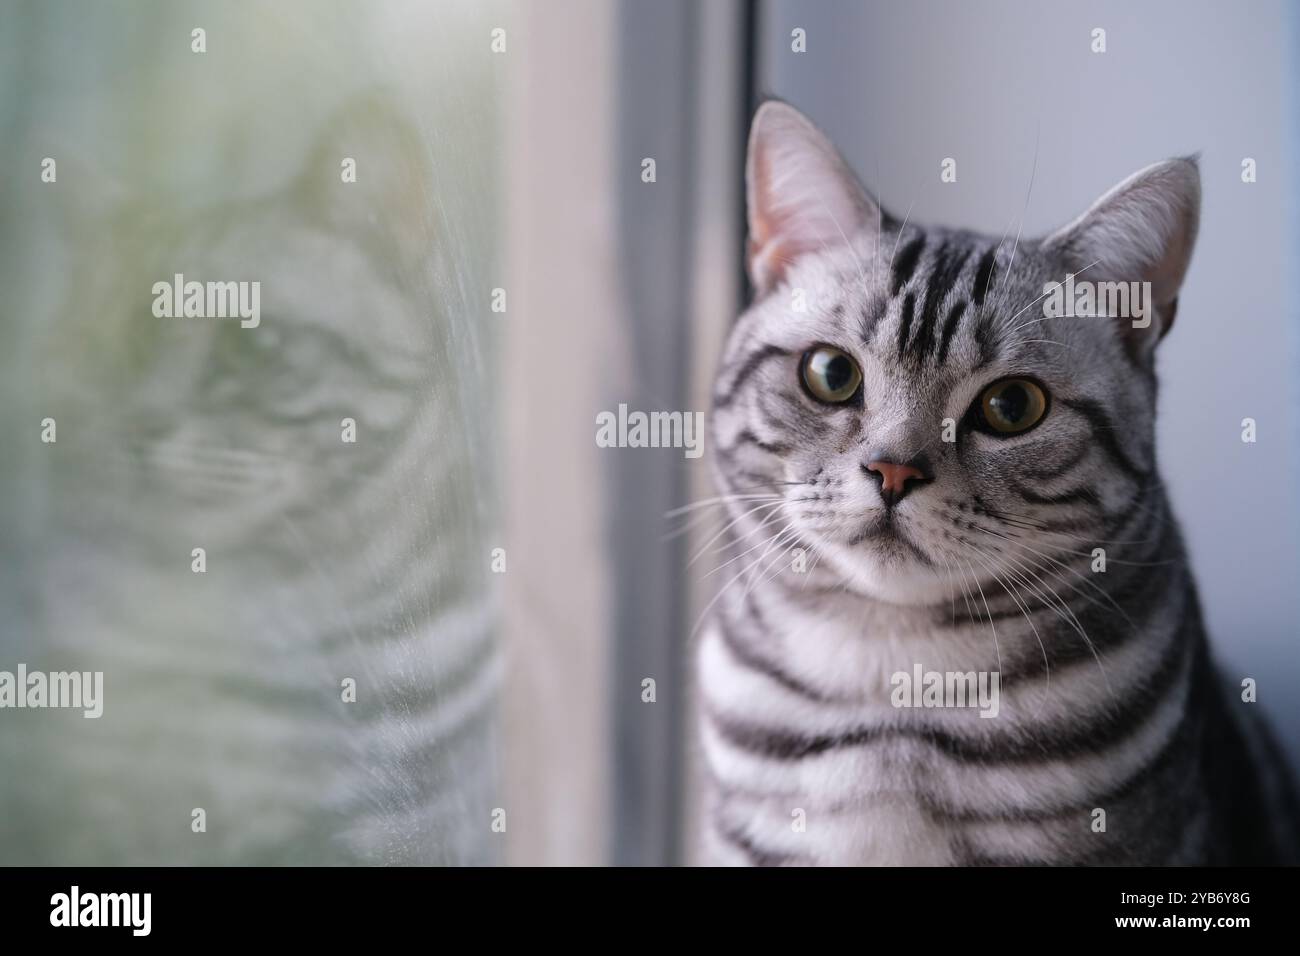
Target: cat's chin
{"x":889,"y":577}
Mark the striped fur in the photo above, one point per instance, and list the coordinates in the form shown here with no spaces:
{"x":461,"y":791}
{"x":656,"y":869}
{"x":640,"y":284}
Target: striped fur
{"x":1109,"y":697}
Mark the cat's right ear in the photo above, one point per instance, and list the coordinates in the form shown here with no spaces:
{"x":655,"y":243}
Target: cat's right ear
{"x":801,"y":195}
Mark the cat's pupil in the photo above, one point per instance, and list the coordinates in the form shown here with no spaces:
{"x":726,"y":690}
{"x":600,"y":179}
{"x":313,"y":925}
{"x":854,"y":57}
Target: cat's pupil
{"x":838,"y":373}
{"x":1011,"y":403}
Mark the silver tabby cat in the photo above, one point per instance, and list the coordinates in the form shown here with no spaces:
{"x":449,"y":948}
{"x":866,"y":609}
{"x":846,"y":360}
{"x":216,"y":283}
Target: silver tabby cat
{"x":919,"y":468}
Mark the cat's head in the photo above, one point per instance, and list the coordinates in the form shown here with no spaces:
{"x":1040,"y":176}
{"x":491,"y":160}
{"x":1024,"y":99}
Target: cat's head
{"x":207,"y":417}
{"x":906,"y":393}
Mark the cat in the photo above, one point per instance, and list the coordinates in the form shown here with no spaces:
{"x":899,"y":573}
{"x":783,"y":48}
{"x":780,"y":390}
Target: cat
{"x":325,"y":691}
{"x":919,"y":466}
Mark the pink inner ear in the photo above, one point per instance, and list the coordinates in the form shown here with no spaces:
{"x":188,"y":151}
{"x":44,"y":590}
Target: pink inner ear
{"x":1166,"y":274}
{"x":766,"y":254}
{"x":769,"y":254}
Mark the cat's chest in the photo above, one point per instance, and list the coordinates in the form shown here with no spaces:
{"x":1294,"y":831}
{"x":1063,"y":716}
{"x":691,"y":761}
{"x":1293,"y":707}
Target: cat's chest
{"x":812,"y":761}
{"x":827,"y":741}
{"x":850,"y":659}
{"x":836,"y":737}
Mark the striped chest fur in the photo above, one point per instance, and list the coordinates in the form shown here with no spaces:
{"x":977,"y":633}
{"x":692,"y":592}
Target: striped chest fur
{"x":940,"y":485}
{"x":821,"y":750}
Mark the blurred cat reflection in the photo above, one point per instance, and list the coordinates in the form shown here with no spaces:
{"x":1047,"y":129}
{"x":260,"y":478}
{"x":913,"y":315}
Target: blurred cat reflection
{"x":324,"y":559}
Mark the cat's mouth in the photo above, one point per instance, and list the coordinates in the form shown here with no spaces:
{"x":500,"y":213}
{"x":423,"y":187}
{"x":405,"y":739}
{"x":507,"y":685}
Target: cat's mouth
{"x":883,"y":534}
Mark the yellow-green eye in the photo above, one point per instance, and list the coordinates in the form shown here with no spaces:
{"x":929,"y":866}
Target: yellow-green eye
{"x":830,"y":375}
{"x":1012,"y":405}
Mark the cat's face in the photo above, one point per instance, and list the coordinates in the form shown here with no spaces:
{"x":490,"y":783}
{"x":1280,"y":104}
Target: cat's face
{"x":925,"y":425}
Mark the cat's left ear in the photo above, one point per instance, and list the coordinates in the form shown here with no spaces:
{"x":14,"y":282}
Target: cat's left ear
{"x":1143,"y":230}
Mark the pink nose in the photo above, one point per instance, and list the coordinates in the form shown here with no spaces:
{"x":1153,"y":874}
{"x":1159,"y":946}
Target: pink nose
{"x":894,"y":478}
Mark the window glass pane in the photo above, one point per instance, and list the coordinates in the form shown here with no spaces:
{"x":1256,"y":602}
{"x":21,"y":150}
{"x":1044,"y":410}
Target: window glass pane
{"x":262,"y":510}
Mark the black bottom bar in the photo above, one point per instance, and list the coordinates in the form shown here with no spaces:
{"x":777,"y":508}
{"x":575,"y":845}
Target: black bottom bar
{"x":304,"y":905}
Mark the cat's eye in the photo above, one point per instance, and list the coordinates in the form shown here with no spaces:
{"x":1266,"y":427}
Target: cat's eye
{"x":1011,"y":406}
{"x":830,"y":375}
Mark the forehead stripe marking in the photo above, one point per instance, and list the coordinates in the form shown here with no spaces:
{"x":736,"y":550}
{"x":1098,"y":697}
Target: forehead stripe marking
{"x":906,"y":262}
{"x":905,"y":324}
{"x":950,"y":327}
{"x":984,"y":275}
{"x":943,"y":276}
